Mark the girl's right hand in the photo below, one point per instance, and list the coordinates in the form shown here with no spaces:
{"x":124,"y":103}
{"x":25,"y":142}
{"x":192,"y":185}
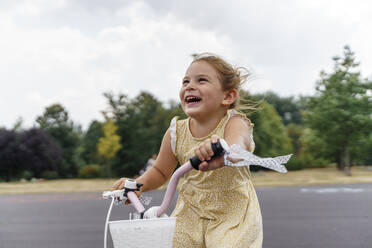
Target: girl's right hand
{"x":119,"y":184}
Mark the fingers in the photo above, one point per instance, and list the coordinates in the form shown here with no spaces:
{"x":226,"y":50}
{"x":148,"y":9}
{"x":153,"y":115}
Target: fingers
{"x":204,"y":151}
{"x":204,"y":166}
{"x":214,"y":138}
{"x":212,"y":165}
{"x":119,"y":184}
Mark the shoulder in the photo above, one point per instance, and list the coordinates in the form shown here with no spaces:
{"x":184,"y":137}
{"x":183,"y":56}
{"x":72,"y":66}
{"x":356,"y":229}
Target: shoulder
{"x":238,"y":120}
{"x":240,"y":130}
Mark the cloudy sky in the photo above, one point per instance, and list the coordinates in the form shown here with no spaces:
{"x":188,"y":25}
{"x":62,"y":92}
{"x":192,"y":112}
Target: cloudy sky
{"x":71,"y":51}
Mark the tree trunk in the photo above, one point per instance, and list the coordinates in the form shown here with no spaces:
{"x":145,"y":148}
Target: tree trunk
{"x":344,"y":159}
{"x":108,"y":168}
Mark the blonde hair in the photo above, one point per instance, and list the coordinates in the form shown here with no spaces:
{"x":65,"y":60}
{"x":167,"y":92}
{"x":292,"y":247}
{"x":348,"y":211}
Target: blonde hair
{"x":231,"y":78}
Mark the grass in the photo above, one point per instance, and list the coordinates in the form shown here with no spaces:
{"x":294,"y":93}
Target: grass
{"x":319,"y":176}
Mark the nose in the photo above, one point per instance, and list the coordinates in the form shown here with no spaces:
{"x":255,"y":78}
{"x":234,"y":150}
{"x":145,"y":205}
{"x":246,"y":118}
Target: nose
{"x":190,"y":85}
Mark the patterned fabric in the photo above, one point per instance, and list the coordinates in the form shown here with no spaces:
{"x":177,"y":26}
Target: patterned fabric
{"x":217,"y":208}
{"x":173,"y":132}
{"x":245,"y":158}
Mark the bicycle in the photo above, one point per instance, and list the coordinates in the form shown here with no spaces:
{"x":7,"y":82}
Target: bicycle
{"x":154,"y":220}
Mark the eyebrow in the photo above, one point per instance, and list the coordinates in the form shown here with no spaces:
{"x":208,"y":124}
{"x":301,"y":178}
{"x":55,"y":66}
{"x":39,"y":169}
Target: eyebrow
{"x":198,"y":75}
{"x":203,"y":75}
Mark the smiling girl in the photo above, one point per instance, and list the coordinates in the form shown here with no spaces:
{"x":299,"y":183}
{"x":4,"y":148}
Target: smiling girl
{"x":217,"y":205}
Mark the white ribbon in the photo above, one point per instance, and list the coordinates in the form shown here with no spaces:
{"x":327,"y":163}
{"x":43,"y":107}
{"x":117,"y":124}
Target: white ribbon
{"x":237,"y":156}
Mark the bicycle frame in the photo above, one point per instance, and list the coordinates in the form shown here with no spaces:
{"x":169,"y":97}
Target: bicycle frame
{"x":131,"y":186}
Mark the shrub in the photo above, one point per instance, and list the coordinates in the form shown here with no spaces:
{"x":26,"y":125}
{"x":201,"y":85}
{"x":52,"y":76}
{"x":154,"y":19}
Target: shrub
{"x":90,"y":171}
{"x":295,"y":164}
{"x":50,"y":175}
{"x":27,"y":174}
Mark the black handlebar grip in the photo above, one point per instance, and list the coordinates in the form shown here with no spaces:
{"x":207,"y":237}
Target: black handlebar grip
{"x":218,"y":150}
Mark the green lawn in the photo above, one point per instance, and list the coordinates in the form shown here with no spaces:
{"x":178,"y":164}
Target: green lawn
{"x":360,"y":174}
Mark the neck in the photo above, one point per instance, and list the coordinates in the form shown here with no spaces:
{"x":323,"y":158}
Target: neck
{"x":204,"y":125}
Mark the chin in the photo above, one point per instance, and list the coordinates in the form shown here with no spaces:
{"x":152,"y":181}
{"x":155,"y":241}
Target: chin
{"x":189,"y":111}
{"x":193,"y":113}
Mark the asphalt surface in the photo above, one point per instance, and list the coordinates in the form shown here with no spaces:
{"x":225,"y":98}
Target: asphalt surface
{"x":294,"y":217}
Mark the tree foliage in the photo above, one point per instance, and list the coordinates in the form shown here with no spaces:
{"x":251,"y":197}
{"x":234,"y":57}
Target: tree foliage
{"x":270,"y":134}
{"x":142,"y":122}
{"x":341,"y":110}
{"x":39,"y":152}
{"x":89,"y":143}
{"x":109,"y":144}
{"x":288,"y":108}
{"x":10,"y":164}
{"x":55,"y":121}
{"x":30,"y":150}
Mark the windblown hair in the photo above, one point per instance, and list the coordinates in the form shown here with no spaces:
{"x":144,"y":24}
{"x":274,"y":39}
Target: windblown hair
{"x":231,"y":78}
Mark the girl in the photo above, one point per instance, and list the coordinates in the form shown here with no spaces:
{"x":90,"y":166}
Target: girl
{"x":217,"y":206}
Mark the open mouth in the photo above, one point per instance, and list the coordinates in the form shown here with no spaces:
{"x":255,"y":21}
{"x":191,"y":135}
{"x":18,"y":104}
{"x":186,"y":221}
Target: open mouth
{"x":192,"y":99}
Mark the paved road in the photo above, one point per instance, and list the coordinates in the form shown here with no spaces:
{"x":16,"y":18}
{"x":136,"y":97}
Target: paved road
{"x":294,"y":217}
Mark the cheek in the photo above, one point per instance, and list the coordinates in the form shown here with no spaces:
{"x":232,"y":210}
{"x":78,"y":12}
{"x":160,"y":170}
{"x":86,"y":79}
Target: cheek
{"x":181,"y":94}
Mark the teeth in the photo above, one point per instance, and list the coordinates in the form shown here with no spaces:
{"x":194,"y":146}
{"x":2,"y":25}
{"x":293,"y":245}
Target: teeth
{"x":192,"y":98}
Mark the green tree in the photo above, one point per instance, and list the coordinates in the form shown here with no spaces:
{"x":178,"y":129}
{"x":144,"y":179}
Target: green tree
{"x":142,"y":122}
{"x":109,"y":144}
{"x":89,"y":143}
{"x":295,"y":132}
{"x":55,"y":121}
{"x":289,"y":108}
{"x":313,"y":149}
{"x":17,"y":126}
{"x":270,"y":134}
{"x":340,"y":112}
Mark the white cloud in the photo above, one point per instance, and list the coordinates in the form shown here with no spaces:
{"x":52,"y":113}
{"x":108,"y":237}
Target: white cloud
{"x":72,"y":51}
{"x":66,"y":65}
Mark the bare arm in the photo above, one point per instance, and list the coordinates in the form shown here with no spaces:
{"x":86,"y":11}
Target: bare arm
{"x":160,"y":172}
{"x":239,"y":131}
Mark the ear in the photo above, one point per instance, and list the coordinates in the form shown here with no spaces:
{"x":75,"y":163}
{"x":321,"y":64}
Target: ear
{"x":230,"y":97}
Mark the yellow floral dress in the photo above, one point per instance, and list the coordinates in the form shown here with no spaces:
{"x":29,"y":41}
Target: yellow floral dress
{"x":218,"y":208}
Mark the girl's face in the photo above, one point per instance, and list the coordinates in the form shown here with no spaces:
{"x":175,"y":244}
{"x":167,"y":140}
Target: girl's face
{"x":201,"y":93}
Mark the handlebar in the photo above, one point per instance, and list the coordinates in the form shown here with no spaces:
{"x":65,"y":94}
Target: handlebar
{"x":130,"y":186}
{"x":155,"y":212}
{"x":218,"y":149}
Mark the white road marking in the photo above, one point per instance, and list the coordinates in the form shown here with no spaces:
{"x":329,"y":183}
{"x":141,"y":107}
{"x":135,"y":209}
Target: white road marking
{"x":333,"y":190}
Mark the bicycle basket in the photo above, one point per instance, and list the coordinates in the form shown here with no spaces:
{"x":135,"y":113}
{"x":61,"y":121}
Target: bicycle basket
{"x":143,"y":233}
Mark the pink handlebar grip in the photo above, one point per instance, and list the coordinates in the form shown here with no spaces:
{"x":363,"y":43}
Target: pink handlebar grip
{"x":136,"y":202}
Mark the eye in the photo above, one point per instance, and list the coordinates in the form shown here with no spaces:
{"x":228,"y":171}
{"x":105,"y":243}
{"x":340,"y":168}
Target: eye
{"x":203,"y":79}
{"x":185,"y":81}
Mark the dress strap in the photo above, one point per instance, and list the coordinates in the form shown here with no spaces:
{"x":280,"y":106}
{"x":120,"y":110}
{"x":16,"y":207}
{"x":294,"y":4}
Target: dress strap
{"x":230,"y":113}
{"x":173,"y":133}
{"x":233,"y":112}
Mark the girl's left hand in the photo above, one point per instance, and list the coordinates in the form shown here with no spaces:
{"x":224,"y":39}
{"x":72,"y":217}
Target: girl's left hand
{"x":204,"y":152}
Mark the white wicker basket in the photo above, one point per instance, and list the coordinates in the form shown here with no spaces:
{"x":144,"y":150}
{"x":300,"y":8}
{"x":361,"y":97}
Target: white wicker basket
{"x":143,"y":233}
